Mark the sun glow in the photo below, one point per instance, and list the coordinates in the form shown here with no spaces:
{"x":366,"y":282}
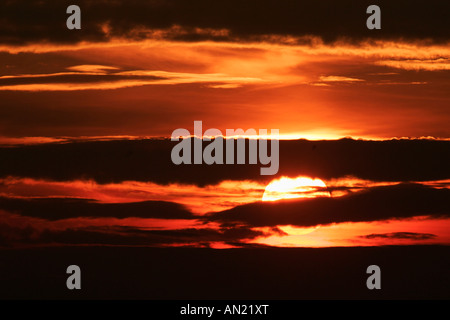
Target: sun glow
{"x":290,"y":188}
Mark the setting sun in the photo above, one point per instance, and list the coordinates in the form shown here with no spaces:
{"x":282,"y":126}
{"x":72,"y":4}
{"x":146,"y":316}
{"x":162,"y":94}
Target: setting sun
{"x":289,"y":188}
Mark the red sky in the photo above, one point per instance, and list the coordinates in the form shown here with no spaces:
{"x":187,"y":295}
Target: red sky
{"x":143,"y":70}
{"x":151,"y":87}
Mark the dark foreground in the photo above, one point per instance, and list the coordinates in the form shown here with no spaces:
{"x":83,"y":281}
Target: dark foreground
{"x":411,"y":272}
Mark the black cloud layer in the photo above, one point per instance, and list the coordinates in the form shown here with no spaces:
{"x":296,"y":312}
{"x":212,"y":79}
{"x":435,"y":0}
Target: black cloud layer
{"x":150,"y":160}
{"x":74,"y":78}
{"x":24,"y":22}
{"x":119,"y":235}
{"x":400,"y":235}
{"x":63,"y":208}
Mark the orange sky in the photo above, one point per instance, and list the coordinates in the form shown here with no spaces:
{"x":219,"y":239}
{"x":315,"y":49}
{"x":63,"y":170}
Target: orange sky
{"x":151,"y":87}
{"x":141,"y":70}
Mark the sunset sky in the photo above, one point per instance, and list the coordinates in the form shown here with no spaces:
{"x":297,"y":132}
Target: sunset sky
{"x":86,"y":116}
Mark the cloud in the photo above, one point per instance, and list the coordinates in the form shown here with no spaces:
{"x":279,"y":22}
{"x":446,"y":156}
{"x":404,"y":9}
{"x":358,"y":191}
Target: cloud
{"x":152,"y":87}
{"x":36,"y":21}
{"x":218,"y":197}
{"x":134,"y":236}
{"x":150,"y":161}
{"x":197,"y":199}
{"x":97,"y":78}
{"x":378,"y":203}
{"x":157,"y":86}
{"x":22,"y":231}
{"x":15,"y":141}
{"x":76,"y":221}
{"x":417,"y":64}
{"x":65,"y":208}
{"x":400,"y":235}
{"x":91,"y":68}
{"x":338,"y":79}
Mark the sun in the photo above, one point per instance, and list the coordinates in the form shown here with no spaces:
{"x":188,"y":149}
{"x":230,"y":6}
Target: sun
{"x":290,"y":188}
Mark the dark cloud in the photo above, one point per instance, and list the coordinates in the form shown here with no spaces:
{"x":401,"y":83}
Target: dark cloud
{"x":393,"y":160}
{"x":123,"y":235}
{"x":400,"y":235}
{"x":73,"y":79}
{"x":24,"y":22}
{"x":150,"y":160}
{"x":9,"y":234}
{"x":378,"y":203}
{"x":62,"y":208}
{"x":132,"y":236}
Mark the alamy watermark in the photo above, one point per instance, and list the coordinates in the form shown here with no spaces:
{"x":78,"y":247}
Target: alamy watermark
{"x":213,"y":153}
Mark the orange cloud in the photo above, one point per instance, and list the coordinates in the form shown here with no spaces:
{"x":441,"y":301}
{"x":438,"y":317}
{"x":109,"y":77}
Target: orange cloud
{"x":224,"y":195}
{"x":418,"y":64}
{"x":358,"y":234}
{"x":305,"y":90}
{"x":212,"y":198}
{"x":338,"y":79}
{"x":119,"y":79}
{"x":89,"y":68}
